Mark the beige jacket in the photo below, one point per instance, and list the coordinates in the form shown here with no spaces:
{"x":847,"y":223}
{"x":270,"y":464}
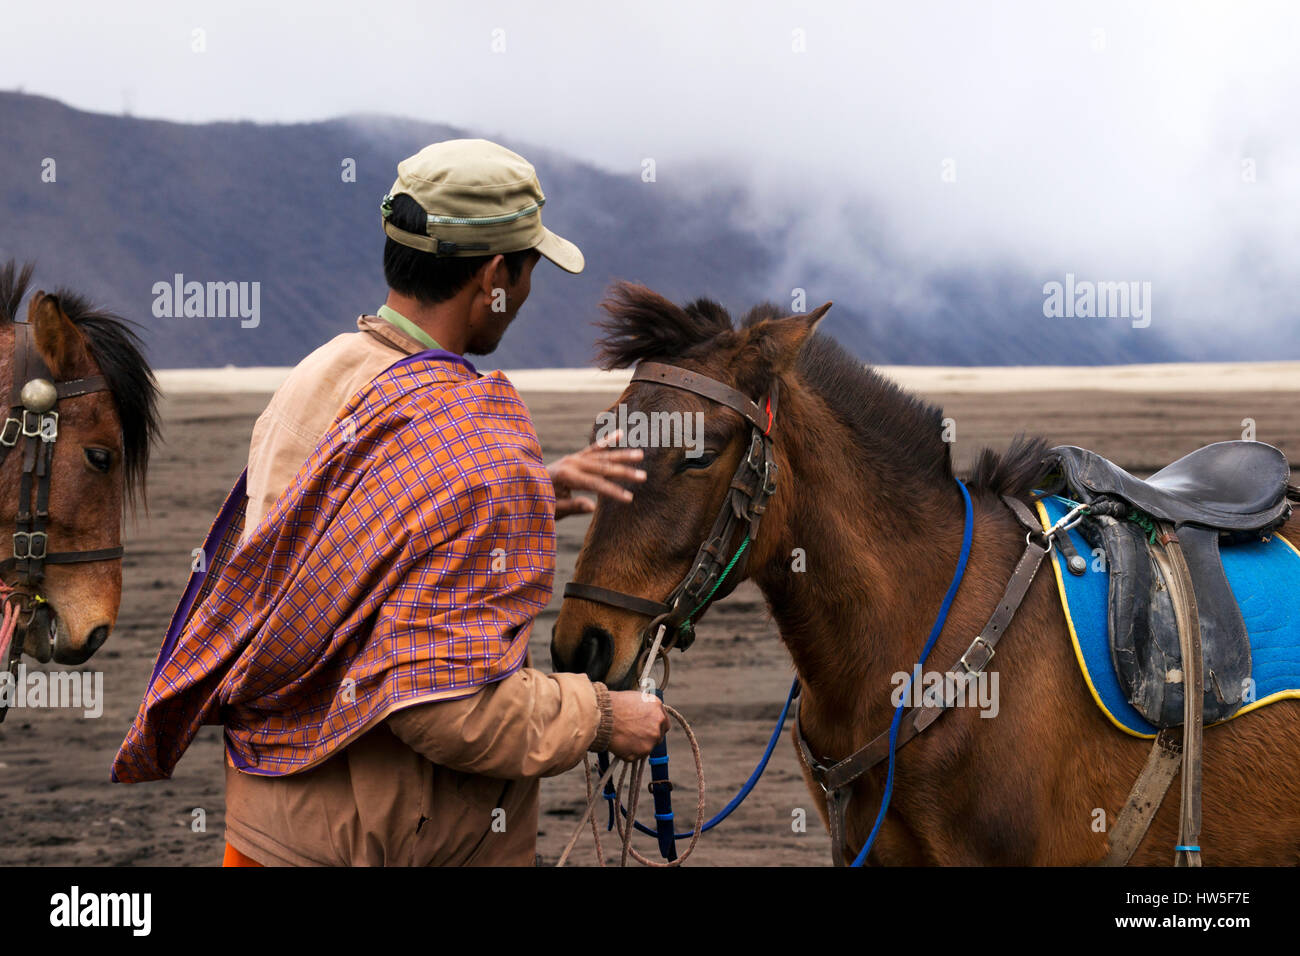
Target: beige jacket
{"x":447,"y":783}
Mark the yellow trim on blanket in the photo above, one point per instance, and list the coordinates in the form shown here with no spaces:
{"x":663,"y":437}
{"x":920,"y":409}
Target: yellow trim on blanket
{"x":1282,"y":694}
{"x":1287,"y":541}
{"x":1083,"y":666}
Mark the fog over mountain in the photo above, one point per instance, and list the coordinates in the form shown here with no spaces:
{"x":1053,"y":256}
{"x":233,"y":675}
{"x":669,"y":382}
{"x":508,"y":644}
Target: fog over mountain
{"x":134,"y":202}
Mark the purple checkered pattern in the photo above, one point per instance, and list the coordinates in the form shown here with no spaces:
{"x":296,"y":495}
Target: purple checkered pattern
{"x":404,"y":564}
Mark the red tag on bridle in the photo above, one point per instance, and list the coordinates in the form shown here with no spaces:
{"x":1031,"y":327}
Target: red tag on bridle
{"x":769,"y":416}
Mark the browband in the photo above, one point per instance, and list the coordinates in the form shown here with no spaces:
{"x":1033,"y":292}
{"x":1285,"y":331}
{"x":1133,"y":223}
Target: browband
{"x":676,"y":377}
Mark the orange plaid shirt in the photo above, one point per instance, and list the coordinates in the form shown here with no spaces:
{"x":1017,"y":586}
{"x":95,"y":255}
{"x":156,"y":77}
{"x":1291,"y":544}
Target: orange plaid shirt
{"x":403,"y":565}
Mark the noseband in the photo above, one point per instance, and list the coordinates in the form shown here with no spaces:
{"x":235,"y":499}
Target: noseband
{"x":33,"y":422}
{"x":719,"y":563}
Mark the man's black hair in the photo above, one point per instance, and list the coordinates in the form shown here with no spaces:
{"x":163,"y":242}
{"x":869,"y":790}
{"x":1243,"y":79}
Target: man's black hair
{"x":427,"y":277}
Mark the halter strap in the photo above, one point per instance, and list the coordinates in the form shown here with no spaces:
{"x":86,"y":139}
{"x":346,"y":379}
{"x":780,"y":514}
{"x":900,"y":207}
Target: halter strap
{"x":628,"y":602}
{"x":725,"y":550}
{"x":677,"y":377}
{"x":30,"y":552}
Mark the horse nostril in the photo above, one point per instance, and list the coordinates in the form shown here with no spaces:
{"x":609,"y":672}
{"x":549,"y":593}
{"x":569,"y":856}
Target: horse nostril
{"x":96,"y":640}
{"x":557,"y":659}
{"x":593,"y":654}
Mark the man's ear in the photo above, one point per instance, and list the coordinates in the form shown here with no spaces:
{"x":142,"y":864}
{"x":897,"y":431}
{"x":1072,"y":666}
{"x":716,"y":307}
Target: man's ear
{"x":784,"y":338}
{"x":494,"y":275}
{"x":58,"y":340}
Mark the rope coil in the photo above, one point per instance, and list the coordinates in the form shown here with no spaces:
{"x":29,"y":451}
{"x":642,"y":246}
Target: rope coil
{"x":594,"y":794}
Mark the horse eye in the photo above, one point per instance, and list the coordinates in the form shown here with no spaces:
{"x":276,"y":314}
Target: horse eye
{"x":702,"y":461}
{"x":99,"y":459}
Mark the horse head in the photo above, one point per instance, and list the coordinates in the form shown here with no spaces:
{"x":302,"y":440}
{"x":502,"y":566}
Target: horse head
{"x":76,"y":449}
{"x":646,"y":549}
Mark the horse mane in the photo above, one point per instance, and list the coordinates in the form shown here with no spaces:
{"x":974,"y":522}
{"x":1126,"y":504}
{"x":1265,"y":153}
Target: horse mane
{"x":118,"y":352}
{"x":1015,"y":472}
{"x":870,"y":403}
{"x":642,"y":325}
{"x":891,"y":424}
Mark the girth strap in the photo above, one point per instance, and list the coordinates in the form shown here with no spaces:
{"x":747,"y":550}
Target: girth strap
{"x":1175,"y":747}
{"x":1145,"y":798}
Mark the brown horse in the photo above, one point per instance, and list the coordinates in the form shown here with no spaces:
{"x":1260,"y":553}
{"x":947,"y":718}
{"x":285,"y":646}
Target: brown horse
{"x":99,"y":461}
{"x":866,"y":490}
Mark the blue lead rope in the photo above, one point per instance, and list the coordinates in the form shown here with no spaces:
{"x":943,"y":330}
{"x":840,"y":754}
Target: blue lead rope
{"x":925,"y":652}
{"x":661,"y":789}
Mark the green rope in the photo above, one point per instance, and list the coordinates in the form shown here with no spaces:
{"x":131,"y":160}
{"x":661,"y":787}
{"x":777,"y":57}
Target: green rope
{"x":725,"y":571}
{"x":1143,"y":521}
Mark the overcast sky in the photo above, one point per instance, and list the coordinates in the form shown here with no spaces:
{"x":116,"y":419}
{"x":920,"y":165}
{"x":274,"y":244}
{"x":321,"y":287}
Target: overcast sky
{"x":1121,"y":138}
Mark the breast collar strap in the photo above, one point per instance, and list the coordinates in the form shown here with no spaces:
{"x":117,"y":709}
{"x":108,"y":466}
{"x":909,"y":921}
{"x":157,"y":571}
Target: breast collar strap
{"x":836,"y":779}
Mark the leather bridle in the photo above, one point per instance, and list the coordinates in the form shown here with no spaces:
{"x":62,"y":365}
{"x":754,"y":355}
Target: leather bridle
{"x":720,"y":562}
{"x":33,"y":423}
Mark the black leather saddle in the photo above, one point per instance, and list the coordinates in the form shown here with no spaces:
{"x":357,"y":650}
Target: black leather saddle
{"x":1230,"y":490}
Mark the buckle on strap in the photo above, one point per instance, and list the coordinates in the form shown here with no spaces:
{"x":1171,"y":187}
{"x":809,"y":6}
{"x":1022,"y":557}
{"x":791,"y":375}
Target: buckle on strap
{"x":38,"y":431}
{"x":9,"y":437}
{"x":979,"y":646}
{"x":30,"y":545}
{"x":754,"y":457}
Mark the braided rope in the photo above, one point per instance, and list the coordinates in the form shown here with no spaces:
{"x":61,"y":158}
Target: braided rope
{"x":594,"y":794}
{"x":717,"y":584}
{"x":627,"y":827}
{"x":8,"y":624}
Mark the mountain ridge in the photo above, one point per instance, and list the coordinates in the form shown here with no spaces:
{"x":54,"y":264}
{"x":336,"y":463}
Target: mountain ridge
{"x":136,"y":201}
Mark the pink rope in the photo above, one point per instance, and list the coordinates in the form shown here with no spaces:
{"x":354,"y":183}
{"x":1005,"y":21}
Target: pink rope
{"x":8,"y":623}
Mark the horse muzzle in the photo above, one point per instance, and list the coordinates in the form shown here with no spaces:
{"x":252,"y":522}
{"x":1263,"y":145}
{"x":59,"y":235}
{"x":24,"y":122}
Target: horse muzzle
{"x":43,"y":639}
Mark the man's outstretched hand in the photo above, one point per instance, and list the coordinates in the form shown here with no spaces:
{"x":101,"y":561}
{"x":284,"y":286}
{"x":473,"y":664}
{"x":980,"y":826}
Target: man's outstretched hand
{"x":597,"y":468}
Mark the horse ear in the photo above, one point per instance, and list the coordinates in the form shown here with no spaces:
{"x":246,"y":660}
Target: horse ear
{"x":787,"y":336}
{"x":58,"y":340}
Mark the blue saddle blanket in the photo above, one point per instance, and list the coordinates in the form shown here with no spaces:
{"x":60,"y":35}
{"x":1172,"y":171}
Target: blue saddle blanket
{"x":1264,"y":577}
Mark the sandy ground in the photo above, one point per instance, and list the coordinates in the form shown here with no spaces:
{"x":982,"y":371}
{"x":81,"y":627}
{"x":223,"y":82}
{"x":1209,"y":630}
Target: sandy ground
{"x":1171,"y":377}
{"x":58,"y":807}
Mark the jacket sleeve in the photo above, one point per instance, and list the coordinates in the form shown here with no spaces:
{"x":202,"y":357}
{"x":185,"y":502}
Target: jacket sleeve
{"x":529,"y":724}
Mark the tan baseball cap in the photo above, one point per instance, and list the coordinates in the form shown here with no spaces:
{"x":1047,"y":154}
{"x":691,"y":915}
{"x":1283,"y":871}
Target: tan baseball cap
{"x":481,"y":199}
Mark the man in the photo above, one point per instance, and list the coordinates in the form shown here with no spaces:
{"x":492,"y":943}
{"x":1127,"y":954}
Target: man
{"x":361,"y":625}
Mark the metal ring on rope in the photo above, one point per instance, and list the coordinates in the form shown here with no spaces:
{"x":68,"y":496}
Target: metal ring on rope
{"x":645,"y":662}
